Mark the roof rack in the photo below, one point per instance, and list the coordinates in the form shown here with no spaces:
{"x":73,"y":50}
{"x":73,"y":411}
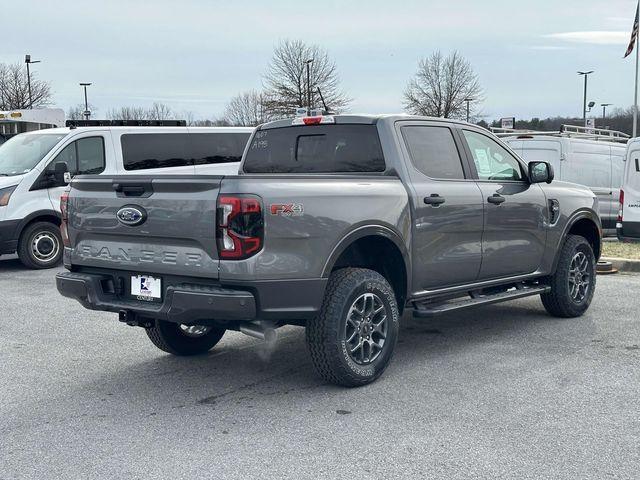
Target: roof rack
{"x":570,"y":131}
{"x":126,"y":123}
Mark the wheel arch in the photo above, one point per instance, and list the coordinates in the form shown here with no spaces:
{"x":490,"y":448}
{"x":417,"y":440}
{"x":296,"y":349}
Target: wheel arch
{"x":584,"y":223}
{"x":50,"y":216}
{"x":379,"y":248}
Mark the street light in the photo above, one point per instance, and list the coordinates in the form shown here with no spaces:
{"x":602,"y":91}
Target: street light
{"x":308,"y":63}
{"x":28,"y":61}
{"x":584,"y":104}
{"x":86,"y":112}
{"x":604,"y":111}
{"x":468,"y":100}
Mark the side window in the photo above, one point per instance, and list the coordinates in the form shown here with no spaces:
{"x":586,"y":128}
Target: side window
{"x":68,"y":156}
{"x":211,"y":148}
{"x":492,"y":161}
{"x":141,"y":151}
{"x":90,"y":155}
{"x":83,"y":157}
{"x":433,"y":151}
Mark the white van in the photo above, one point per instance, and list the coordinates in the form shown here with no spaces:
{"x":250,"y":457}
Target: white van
{"x":628,"y":226}
{"x":590,"y":157}
{"x":33,"y":167}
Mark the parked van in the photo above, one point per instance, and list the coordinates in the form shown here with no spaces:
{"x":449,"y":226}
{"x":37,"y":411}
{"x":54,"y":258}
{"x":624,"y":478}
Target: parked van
{"x":586,"y":156}
{"x":628,"y":225}
{"x":34,"y":166}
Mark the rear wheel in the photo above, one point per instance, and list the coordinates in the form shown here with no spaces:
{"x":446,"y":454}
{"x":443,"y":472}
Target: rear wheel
{"x":40,"y":245}
{"x":184,"y":340}
{"x":352,"y":339}
{"x":574,"y":282}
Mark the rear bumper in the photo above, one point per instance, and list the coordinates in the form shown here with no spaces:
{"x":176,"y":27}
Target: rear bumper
{"x":189,"y":301}
{"x":9,"y":236}
{"x":628,"y":231}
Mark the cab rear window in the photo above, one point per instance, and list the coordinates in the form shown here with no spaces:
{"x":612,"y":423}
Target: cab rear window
{"x":315,"y":149}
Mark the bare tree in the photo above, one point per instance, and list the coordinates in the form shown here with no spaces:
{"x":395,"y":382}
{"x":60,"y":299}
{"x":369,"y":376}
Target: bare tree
{"x":159,"y":111}
{"x":286,"y":79}
{"x":77,"y":112}
{"x":128,"y":113}
{"x":246,"y":110}
{"x":441,"y":86}
{"x":14,"y":88}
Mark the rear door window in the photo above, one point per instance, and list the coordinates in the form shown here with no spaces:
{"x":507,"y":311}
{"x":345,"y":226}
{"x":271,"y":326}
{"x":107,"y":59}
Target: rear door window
{"x":315,"y":149}
{"x":433,"y":151}
{"x":142,"y":151}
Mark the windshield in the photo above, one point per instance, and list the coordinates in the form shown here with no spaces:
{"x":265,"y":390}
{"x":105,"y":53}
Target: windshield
{"x":21,"y":153}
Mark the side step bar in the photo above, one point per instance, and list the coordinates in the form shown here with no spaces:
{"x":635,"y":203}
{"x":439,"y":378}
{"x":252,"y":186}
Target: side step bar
{"x":425,"y":310}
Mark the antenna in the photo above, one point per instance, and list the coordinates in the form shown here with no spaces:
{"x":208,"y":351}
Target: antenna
{"x":326,"y":109}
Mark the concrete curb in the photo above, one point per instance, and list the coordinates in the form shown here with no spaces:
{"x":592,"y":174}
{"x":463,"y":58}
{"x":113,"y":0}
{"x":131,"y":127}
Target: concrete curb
{"x":623,"y":264}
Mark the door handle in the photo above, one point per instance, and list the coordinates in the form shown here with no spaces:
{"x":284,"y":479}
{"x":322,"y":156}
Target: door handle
{"x":496,"y":199}
{"x":434,"y":199}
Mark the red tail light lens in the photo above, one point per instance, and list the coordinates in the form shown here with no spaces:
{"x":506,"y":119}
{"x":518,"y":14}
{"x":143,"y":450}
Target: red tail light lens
{"x":64,"y":210}
{"x":621,"y":207}
{"x":240,"y":229}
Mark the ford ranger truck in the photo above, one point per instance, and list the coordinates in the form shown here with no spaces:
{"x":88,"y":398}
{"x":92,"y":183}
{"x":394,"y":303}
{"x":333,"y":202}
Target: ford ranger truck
{"x":339,"y":224}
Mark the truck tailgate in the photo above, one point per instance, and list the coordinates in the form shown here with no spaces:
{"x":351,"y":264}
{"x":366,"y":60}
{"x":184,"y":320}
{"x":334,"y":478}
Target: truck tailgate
{"x":175,"y":233}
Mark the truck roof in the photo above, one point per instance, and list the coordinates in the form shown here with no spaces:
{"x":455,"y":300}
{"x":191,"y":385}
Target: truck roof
{"x":367,"y":119}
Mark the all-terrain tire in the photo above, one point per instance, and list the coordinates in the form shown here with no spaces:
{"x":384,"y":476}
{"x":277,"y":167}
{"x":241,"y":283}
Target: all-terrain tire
{"x":170,"y":338}
{"x":558,"y":301}
{"x":326,"y":333}
{"x":40,"y":246}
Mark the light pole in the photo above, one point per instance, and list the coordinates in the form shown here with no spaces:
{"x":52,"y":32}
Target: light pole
{"x":28,"y":61}
{"x":468,"y":100}
{"x":308,"y":63}
{"x":604,"y":111}
{"x":584,"y":103}
{"x":86,"y":112}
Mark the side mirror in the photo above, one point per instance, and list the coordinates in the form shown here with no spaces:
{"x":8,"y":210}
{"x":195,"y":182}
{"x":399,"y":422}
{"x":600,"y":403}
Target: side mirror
{"x":61,"y":173}
{"x":540,"y":172}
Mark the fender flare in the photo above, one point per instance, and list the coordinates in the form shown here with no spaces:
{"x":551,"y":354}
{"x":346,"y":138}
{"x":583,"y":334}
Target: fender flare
{"x":34,"y":216}
{"x":575,"y":217}
{"x":369,"y":231}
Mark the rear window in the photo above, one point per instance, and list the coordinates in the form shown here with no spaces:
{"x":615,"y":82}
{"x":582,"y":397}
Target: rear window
{"x":315,"y":149}
{"x":142,"y":151}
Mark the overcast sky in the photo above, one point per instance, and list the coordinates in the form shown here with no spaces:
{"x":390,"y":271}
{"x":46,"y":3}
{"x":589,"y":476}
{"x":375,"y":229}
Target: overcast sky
{"x":195,"y":54}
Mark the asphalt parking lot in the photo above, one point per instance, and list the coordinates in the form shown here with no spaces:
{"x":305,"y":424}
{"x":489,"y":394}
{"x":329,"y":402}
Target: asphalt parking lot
{"x":502,"y":392}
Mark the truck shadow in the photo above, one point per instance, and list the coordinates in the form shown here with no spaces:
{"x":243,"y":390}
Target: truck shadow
{"x":241,"y":373}
{"x":11,"y":264}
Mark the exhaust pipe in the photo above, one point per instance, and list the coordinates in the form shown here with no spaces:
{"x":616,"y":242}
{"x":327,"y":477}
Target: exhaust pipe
{"x":259,"y":331}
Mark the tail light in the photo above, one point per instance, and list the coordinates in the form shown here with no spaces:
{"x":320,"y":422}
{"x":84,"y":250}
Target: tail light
{"x":621,"y":207}
{"x":64,"y":210}
{"x":240,"y":226}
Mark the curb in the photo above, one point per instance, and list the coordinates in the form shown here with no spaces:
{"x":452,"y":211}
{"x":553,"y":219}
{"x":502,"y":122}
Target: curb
{"x":623,"y":264}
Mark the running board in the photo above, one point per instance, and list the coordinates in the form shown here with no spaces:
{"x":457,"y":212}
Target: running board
{"x":423,"y":310}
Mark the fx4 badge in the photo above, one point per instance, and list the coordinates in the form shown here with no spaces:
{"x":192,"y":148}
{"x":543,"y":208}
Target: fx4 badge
{"x":287,"y":209}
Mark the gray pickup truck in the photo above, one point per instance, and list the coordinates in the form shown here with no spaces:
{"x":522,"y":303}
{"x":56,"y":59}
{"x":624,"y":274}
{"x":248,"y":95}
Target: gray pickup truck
{"x":335,"y":223}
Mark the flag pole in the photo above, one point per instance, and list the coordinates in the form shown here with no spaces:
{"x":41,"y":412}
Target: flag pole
{"x":635,"y":89}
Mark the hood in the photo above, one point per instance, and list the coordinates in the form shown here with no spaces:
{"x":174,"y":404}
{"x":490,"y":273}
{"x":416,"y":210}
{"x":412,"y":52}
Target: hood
{"x":10,"y":181}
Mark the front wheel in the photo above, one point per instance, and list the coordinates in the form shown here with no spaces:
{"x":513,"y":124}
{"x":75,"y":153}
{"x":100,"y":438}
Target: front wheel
{"x":574,"y":282}
{"x":352,"y":339}
{"x":40,"y":246}
{"x":184,"y":340}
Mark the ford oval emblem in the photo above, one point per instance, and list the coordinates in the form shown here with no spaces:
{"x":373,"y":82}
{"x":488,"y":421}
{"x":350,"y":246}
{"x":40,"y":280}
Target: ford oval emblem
{"x":131,"y":215}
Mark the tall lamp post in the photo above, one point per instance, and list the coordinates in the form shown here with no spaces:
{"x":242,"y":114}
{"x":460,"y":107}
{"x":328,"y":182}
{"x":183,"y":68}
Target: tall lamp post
{"x":468,"y":100}
{"x":28,"y":61}
{"x":584,"y":103}
{"x":86,"y":112}
{"x":308,"y":65}
{"x":604,"y":111}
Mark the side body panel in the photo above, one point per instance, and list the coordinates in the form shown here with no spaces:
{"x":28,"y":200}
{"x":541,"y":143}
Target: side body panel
{"x":328,"y":209}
